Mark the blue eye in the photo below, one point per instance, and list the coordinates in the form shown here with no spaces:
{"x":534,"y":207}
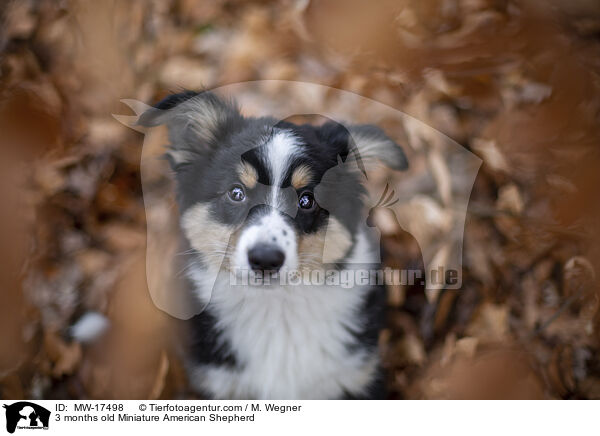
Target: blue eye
{"x":237,"y":194}
{"x":306,"y":201}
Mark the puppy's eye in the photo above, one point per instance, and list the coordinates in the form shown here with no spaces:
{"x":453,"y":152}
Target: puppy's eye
{"x":306,"y":201}
{"x":237,"y":194}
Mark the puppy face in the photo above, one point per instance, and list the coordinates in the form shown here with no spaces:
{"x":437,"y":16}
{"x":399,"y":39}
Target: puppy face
{"x":263,"y":196}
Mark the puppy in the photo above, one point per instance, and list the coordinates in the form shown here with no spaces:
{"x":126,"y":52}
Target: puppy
{"x":263,"y":202}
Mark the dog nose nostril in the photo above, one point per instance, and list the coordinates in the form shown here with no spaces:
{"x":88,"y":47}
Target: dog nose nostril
{"x":266,"y":257}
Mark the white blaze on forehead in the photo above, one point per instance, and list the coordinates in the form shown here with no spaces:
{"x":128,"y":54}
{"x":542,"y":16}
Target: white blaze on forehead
{"x":279,"y":153}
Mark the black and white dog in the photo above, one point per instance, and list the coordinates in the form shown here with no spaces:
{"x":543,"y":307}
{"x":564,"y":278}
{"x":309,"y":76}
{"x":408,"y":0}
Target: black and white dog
{"x":272,"y":198}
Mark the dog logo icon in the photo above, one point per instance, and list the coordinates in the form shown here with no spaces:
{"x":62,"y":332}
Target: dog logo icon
{"x":26,"y":415}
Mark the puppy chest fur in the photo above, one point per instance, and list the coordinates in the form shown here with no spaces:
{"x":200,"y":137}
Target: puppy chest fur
{"x":303,"y":342}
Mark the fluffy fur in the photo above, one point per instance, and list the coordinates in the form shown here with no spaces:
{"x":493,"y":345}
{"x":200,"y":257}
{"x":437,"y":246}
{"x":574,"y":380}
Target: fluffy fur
{"x":244,"y":183}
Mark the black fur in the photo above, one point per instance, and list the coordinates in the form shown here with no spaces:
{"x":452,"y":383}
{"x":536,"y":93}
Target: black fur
{"x":173,"y":100}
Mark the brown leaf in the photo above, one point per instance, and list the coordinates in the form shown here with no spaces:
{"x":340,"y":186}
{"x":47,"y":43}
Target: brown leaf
{"x":64,"y":356}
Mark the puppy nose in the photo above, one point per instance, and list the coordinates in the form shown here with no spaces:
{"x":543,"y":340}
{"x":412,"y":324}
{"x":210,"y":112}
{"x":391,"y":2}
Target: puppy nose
{"x":266,"y":257}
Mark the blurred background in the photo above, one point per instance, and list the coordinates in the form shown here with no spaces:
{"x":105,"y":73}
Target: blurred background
{"x":516,"y":82}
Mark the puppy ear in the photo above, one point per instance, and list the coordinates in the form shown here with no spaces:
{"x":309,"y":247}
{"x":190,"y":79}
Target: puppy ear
{"x":196,"y":122}
{"x":372,"y":143}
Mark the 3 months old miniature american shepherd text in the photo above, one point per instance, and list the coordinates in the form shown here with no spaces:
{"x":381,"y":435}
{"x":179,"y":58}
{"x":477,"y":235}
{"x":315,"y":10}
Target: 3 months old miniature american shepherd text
{"x":268,"y":198}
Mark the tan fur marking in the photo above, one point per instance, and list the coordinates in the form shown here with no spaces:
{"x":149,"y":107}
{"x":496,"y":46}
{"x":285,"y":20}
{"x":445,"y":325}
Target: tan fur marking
{"x":301,"y":176}
{"x":310,"y":250}
{"x":180,"y":156}
{"x":248,"y":175}
{"x":206,"y":235}
{"x":337,"y":242}
{"x":326,"y":246}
